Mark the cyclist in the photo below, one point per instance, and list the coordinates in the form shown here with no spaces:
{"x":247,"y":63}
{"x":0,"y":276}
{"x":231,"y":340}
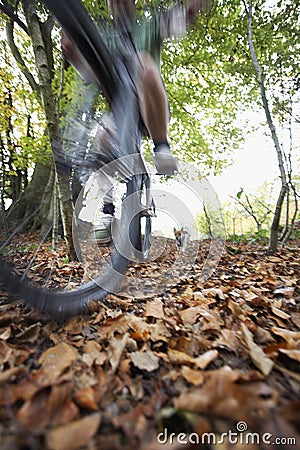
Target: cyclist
{"x":147,"y":32}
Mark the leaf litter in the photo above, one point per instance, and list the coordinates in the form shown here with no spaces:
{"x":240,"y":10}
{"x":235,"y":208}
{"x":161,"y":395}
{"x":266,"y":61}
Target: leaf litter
{"x":197,"y":358}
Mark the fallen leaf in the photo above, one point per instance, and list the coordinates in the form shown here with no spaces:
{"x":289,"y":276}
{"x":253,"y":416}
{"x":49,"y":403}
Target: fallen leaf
{"x":261,"y":361}
{"x":74,"y":435}
{"x":227,"y":339}
{"x":116,"y":324}
{"x":93,"y":354}
{"x":291,"y":337}
{"x":192,"y":376}
{"x":285,"y":291}
{"x":280,"y":313}
{"x":214,"y":292}
{"x":30,"y":334}
{"x":145,"y":360}
{"x":204,"y":360}
{"x":33,"y":414}
{"x":56,"y":359}
{"x":178,"y":357}
{"x":116,"y":348}
{"x":9,"y":374}
{"x":5,"y":334}
{"x":159,"y":332}
{"x":154,"y":308}
{"x":191,"y":315}
{"x":85,"y":398}
{"x":293,"y":354}
{"x":221,"y":395}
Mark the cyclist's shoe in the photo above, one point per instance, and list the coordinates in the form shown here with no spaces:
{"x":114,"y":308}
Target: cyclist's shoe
{"x":165,"y":161}
{"x":102,"y":230}
{"x":109,"y":208}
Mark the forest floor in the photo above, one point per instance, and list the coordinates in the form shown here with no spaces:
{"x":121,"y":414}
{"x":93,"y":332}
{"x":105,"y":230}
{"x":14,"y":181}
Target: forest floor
{"x":212,"y":364}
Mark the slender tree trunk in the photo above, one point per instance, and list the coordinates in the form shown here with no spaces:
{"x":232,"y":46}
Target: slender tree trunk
{"x":55,"y":206}
{"x":289,"y":226}
{"x":273,"y":243}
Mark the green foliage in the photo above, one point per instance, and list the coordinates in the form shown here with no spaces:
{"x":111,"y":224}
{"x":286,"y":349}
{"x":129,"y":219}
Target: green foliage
{"x":260,"y":236}
{"x":208,"y":74}
{"x":22,"y":128}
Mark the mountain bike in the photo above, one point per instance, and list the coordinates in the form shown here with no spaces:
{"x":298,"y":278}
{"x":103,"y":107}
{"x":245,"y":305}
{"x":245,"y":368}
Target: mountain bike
{"x":131,"y":228}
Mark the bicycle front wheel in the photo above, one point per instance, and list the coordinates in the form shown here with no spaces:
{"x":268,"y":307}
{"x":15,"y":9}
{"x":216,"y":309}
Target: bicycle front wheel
{"x":99,"y":272}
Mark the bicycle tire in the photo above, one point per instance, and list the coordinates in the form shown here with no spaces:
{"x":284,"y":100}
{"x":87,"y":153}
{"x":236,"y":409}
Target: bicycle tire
{"x":60,"y":304}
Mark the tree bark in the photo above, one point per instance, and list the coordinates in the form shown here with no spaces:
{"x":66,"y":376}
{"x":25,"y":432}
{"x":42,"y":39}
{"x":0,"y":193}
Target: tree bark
{"x":34,"y":197}
{"x":40,"y":36}
{"x":273,"y":242}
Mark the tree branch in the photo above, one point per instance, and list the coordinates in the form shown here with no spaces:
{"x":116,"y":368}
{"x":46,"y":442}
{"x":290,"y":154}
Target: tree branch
{"x":17,"y":55}
{"x":8,"y":10}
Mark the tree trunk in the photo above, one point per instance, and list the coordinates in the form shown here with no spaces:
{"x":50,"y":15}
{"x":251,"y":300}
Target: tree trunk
{"x":36,"y":197}
{"x":40,"y":37}
{"x":273,"y":243}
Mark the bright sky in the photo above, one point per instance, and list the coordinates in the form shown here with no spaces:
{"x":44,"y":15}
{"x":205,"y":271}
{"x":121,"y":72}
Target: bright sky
{"x":254,"y":163}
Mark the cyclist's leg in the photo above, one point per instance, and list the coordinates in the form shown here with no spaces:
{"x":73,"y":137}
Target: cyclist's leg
{"x":155,"y":113}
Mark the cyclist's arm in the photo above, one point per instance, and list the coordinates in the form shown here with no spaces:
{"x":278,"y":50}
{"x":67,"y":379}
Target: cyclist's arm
{"x":75,"y":58}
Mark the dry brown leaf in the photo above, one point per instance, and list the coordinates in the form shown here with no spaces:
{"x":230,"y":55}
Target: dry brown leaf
{"x":30,"y":334}
{"x":204,"y":360}
{"x":74,"y":325}
{"x":280,"y":313}
{"x":286,"y":291}
{"x":199,"y":297}
{"x":295,"y":316}
{"x":60,"y":407}
{"x":191,"y":315}
{"x":85,"y":398}
{"x":145,"y":360}
{"x":293,"y":354}
{"x":5,"y":333}
{"x":56,"y":359}
{"x":137,"y":324}
{"x":12,"y":355}
{"x":74,"y":435}
{"x":178,"y":357}
{"x":133,"y":423}
{"x":112,"y":325}
{"x":116,"y":349}
{"x":261,"y":361}
{"x":33,"y":414}
{"x":192,"y":376}
{"x":154,"y":308}
{"x":236,"y":309}
{"x":93,"y":355}
{"x":227,"y":339}
{"x":9,"y":374}
{"x":222,"y":396}
{"x":291,"y":337}
{"x":159,"y":332}
{"x":214,"y":292}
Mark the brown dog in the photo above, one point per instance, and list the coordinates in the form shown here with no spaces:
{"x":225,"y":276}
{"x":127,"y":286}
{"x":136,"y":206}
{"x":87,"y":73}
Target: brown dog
{"x":182,"y":238}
